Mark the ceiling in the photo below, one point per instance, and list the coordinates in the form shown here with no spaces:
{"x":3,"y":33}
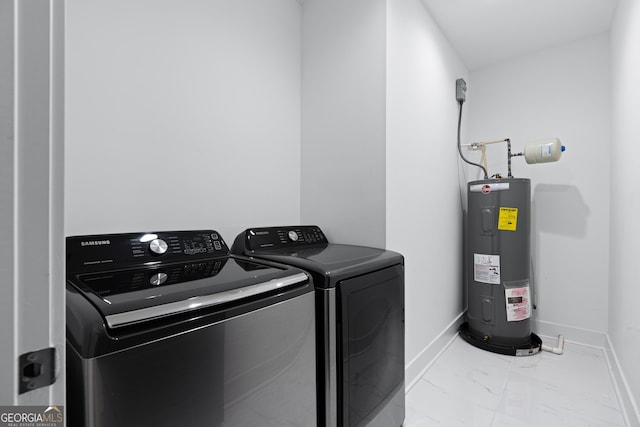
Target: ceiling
{"x":485,"y":32}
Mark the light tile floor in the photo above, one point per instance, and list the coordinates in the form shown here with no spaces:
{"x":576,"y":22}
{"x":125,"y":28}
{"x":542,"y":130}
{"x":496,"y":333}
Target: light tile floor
{"x":467,"y":386}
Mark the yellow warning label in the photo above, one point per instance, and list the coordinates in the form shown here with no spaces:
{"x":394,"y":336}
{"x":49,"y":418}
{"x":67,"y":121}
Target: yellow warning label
{"x":508,"y":219}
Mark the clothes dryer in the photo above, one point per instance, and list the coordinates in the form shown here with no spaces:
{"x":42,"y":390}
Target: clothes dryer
{"x":360,"y":321}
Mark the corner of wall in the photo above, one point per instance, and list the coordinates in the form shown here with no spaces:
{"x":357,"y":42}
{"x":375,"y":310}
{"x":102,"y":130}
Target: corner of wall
{"x":416,"y":368}
{"x":630,"y":409}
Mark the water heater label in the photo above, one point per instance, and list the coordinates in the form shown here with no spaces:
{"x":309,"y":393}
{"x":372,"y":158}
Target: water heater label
{"x":508,"y":219}
{"x":486,"y":268}
{"x":488,"y":188}
{"x":518,"y":303}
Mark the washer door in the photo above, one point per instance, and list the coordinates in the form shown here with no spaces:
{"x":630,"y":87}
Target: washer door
{"x":255,"y":369}
{"x":371,"y":346}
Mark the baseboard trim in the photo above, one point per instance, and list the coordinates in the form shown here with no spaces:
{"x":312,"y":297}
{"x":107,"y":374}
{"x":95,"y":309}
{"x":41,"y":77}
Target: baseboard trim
{"x":570,"y":333}
{"x":416,"y":368}
{"x":630,"y":408}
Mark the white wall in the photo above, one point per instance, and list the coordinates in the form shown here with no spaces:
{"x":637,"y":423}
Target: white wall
{"x":624,"y":291}
{"x":188,"y":114}
{"x":424,"y":215}
{"x":182,"y":115}
{"x":564,"y":92}
{"x":343,"y":119}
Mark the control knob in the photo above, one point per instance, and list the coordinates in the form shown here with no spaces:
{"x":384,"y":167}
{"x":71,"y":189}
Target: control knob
{"x":158,"y":246}
{"x":293,"y":236}
{"x":158,"y":279}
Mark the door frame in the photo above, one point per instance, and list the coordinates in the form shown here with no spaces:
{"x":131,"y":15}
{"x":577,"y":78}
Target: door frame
{"x":32,"y":304}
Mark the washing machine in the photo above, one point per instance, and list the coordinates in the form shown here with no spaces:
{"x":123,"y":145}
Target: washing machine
{"x":168,"y":329}
{"x":359,"y":320}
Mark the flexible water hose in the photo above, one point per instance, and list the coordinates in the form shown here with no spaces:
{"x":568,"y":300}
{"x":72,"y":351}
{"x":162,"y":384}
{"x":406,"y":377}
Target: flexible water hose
{"x":486,"y":176}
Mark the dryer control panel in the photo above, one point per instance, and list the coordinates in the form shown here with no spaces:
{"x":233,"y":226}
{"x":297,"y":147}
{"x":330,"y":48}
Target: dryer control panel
{"x":111,"y":251}
{"x":295,"y":236}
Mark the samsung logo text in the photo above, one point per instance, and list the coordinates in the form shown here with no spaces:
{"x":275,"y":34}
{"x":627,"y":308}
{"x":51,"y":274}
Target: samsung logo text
{"x":95,"y":243}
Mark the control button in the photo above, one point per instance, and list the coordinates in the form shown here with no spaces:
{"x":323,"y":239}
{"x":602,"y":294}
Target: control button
{"x":158,"y":246}
{"x":158,"y":279}
{"x":214,"y":236}
{"x":217,"y":245}
{"x":293,"y":236}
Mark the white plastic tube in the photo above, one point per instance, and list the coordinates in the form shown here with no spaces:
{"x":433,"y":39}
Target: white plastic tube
{"x":555,"y":350}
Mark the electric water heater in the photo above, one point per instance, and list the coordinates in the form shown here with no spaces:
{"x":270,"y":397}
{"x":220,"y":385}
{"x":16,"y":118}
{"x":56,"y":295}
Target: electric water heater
{"x":499,"y":293}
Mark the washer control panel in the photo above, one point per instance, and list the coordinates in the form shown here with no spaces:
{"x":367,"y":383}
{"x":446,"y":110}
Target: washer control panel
{"x":107,"y":251}
{"x":265,"y":239}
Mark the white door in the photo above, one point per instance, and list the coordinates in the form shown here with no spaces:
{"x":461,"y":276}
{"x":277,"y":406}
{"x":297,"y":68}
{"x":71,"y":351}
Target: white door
{"x":31,"y":202}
